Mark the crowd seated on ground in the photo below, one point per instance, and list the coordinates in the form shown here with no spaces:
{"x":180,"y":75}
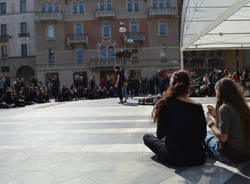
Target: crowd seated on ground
{"x":203,"y":84}
{"x":23,"y":93}
{"x":27,"y":93}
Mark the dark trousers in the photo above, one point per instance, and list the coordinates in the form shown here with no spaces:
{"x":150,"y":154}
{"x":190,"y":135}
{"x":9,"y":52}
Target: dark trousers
{"x":156,"y":145}
{"x":119,"y":92}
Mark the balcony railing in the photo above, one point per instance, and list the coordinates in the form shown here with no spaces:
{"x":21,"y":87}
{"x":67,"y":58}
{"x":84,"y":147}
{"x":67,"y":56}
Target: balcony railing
{"x":24,"y":34}
{"x":135,"y":36}
{"x":163,"y":12}
{"x":78,"y":39}
{"x":105,"y":63}
{"x":44,"y":17}
{"x":4,"y":38}
{"x":105,"y":13}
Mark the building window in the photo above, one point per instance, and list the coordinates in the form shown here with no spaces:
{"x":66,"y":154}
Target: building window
{"x":111,"y":53}
{"x":106,"y":29}
{"x":109,"y":5}
{"x":237,"y":53}
{"x":43,"y":8}
{"x":23,"y":27}
{"x":51,"y":55}
{"x":154,"y":4}
{"x":161,"y":4}
{"x":168,"y":3}
{"x":79,"y":54}
{"x":130,"y":5}
{"x":237,"y":64}
{"x":102,"y":5}
{"x":134,"y":27}
{"x":50,"y":8}
{"x":51,"y":33}
{"x":4,"y":51}
{"x":57,"y":7}
{"x":136,"y":4}
{"x":3,"y":29}
{"x":163,"y":29}
{"x":81,"y":7}
{"x":23,"y":6}
{"x":78,"y":29}
{"x":103,"y":53}
{"x":3,"y":10}
{"x":163,"y":52}
{"x":24,"y":51}
{"x":74,"y":8}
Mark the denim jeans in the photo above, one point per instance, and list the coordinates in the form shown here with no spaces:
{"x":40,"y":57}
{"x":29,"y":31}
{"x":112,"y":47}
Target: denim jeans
{"x":124,"y":92}
{"x":212,"y":148}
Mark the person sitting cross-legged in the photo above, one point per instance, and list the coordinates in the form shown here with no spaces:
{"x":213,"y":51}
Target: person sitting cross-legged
{"x":181,"y":126}
{"x":229,"y":138}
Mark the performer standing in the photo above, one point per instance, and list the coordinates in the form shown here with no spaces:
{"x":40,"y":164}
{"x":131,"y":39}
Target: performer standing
{"x":119,"y":82}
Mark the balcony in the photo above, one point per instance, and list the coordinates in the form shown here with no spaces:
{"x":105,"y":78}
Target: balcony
{"x":105,"y":13}
{"x":4,"y":38}
{"x":104,"y":63}
{"x":163,"y":12}
{"x":48,"y":17}
{"x":78,"y":39}
{"x":135,"y":36}
{"x":23,"y":35}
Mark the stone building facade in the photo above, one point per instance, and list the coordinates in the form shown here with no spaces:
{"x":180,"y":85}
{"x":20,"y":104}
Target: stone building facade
{"x":80,"y":38}
{"x":206,"y":60}
{"x":17,"y":39}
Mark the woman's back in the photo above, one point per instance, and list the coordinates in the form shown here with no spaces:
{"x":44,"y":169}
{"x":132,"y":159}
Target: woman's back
{"x":184,"y":126}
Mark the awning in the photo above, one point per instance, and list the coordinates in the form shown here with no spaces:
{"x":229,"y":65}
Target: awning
{"x":215,"y":24}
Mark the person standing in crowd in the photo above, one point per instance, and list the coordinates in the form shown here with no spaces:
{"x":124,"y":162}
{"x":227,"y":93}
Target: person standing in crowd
{"x":119,"y":82}
{"x":229,"y":139}
{"x":236,"y":77}
{"x":2,"y":81}
{"x":181,"y":126}
{"x":124,"y":87}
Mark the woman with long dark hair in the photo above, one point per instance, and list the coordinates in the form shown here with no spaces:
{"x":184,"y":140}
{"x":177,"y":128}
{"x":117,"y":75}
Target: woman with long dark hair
{"x":229,"y":121}
{"x":181,"y":125}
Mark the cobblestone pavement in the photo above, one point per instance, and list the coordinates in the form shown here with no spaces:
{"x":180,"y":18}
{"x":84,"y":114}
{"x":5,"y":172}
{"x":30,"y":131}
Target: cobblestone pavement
{"x":93,"y":142}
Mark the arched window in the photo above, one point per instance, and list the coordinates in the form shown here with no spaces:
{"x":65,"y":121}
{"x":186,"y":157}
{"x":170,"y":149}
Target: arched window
{"x":111,"y":53}
{"x":168,"y":3}
{"x":134,"y":27}
{"x":154,"y":4}
{"x":50,"y":8}
{"x":109,"y":5}
{"x":130,"y":5}
{"x":74,"y":8}
{"x":78,"y":29}
{"x":102,"y":5}
{"x":106,"y":29}
{"x":161,"y":4}
{"x":56,"y":7}
{"x":103,"y":53}
{"x":136,"y":5}
{"x":79,"y":54}
{"x":81,"y":7}
{"x":51,"y":33}
{"x":43,"y":8}
{"x":163,"y":29}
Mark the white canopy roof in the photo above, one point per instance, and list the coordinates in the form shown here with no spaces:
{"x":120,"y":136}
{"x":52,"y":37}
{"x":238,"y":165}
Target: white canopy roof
{"x":215,"y":24}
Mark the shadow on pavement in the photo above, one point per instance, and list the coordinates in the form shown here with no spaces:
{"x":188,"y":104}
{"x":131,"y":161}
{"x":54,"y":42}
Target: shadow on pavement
{"x":211,"y":173}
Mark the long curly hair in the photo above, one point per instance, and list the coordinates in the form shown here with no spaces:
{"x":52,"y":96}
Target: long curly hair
{"x":230,"y":93}
{"x":179,"y":85}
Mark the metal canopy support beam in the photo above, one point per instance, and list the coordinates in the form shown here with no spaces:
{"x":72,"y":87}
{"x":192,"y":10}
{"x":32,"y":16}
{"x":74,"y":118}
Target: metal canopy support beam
{"x":182,"y":59}
{"x":230,"y":11}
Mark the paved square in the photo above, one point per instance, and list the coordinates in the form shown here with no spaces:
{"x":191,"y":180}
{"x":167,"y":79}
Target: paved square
{"x":93,"y":142}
